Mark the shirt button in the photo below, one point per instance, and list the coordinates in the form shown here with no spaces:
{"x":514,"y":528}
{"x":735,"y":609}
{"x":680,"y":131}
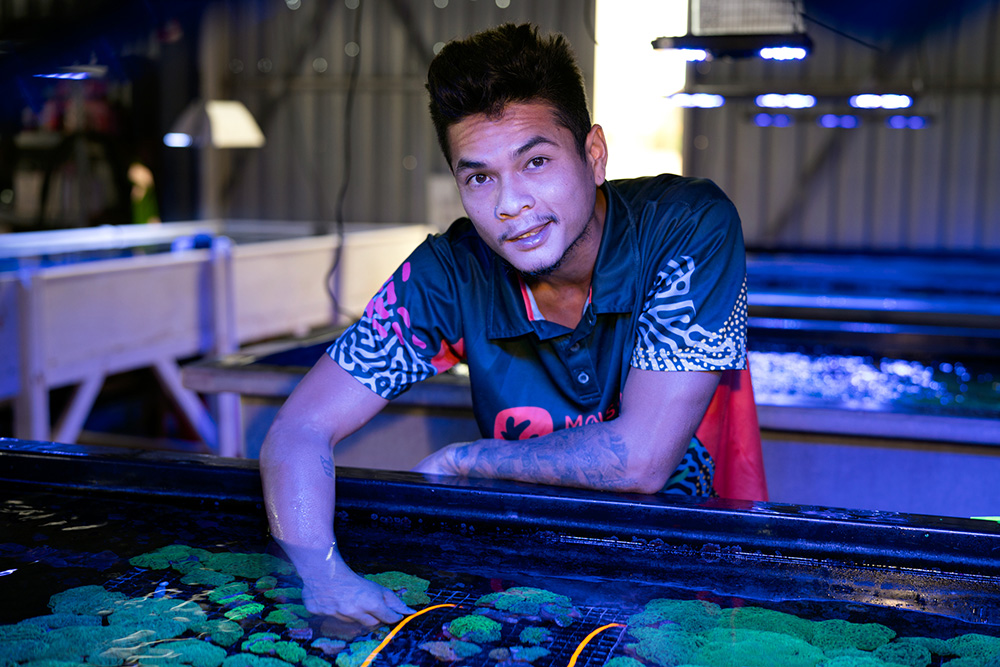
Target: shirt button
{"x":575,"y":347}
{"x":583,"y":378}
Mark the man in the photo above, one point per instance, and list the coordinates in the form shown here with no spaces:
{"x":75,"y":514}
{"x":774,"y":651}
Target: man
{"x":596,"y":318}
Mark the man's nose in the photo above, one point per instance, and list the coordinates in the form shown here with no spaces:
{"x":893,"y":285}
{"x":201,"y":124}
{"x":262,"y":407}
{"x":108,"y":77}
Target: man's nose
{"x":512,"y":200}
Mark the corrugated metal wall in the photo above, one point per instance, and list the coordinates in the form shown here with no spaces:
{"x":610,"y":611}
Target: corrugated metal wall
{"x":873,"y":187}
{"x":290,"y":63}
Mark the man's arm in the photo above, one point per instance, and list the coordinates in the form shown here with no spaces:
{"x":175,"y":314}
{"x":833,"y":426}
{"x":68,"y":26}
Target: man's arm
{"x":636,"y":452}
{"x":297,"y":470}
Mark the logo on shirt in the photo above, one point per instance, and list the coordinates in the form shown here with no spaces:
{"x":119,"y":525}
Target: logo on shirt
{"x":521,"y":423}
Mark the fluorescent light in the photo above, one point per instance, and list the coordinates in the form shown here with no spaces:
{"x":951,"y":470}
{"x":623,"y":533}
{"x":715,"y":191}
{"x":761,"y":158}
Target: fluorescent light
{"x":790,"y":101}
{"x":694,"y":55}
{"x":783,"y":53}
{"x":177,"y":140}
{"x":887,"y":101}
{"x":697,"y":100}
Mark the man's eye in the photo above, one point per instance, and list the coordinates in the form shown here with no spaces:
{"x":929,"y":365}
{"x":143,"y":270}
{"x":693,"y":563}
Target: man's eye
{"x":538,"y":161}
{"x":477,"y":179}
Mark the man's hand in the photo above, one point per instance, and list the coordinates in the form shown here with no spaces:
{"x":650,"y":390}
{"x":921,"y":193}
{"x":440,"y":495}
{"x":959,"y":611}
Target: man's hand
{"x":335,"y":590}
{"x":441,"y":462}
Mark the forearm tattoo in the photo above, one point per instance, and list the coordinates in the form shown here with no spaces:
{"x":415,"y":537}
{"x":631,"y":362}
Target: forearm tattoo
{"x":327,"y":463}
{"x":591,"y":458}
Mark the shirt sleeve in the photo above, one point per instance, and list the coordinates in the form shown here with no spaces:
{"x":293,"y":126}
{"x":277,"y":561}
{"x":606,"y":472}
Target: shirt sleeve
{"x":695,"y":309}
{"x":410,"y":329}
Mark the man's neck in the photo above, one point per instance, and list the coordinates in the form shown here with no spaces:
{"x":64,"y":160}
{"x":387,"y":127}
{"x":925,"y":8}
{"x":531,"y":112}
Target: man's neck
{"x":562,"y":295}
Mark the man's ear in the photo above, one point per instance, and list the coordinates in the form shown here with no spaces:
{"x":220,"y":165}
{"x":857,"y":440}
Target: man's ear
{"x":596,"y":149}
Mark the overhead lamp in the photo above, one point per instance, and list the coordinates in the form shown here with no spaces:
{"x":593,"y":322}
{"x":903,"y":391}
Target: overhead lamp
{"x":771,"y":29}
{"x":215,"y":123}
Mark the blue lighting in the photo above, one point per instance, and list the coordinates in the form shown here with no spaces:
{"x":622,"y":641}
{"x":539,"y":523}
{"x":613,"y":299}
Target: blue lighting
{"x":832,"y":120}
{"x":177,"y":140}
{"x":906,"y":122}
{"x":772,"y":120}
{"x":75,"y":76}
{"x":762,"y":119}
{"x":694,"y":55}
{"x":790,"y":101}
{"x":697,"y":100}
{"x":871,"y":101}
{"x":782,"y":53}
{"x":782,"y":120}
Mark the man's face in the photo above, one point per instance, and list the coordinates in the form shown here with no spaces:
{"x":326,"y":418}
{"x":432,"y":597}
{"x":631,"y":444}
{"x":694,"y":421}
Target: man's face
{"x":527,"y":189}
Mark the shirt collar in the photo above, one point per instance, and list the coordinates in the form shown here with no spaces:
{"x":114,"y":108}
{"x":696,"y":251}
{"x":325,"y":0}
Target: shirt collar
{"x":612,"y":288}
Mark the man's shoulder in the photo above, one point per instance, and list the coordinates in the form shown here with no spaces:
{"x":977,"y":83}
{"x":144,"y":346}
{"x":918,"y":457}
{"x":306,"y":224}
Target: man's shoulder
{"x":668,"y":188}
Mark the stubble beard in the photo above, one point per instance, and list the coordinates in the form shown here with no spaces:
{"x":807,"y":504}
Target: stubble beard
{"x":552,"y":268}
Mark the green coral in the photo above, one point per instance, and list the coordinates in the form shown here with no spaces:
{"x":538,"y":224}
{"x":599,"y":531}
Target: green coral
{"x":177,"y":556}
{"x":623,"y":661}
{"x":219,"y":631}
{"x":756,"y":648}
{"x":244,"y":611}
{"x":205,"y":577}
{"x":535,"y":636}
{"x":192,"y":652}
{"x":314,"y":661}
{"x":356,"y":653}
{"x":185,"y":559}
{"x":475,"y":628}
{"x":861,"y":660}
{"x":85,"y":600}
{"x":527,"y":653}
{"x":975,"y":645}
{"x":251,"y":660}
{"x":229,"y":593}
{"x":758,"y":618}
{"x":532,"y":602}
{"x":269,"y":643}
{"x":52,"y":621}
{"x":287,"y":593}
{"x":904,"y":653}
{"x":286,"y":617}
{"x":691,"y":615}
{"x":411,"y":590}
{"x":666,"y":646}
{"x":837,"y":633}
{"x":266,"y":583}
{"x":934,"y":645}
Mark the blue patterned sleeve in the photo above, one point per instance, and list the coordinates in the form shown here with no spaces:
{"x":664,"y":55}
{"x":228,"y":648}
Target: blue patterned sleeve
{"x":404,"y":336}
{"x":695,"y":310}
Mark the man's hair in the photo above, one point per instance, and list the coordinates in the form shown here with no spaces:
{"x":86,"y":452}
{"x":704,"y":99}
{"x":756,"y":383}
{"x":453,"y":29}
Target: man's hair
{"x":511,"y":63}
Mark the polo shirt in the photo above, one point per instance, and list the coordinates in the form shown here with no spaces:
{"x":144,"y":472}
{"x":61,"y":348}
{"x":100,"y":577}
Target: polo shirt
{"x":668,"y":293}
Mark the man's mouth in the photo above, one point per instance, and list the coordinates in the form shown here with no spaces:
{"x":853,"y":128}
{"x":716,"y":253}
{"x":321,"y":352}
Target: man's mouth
{"x":534,"y":231}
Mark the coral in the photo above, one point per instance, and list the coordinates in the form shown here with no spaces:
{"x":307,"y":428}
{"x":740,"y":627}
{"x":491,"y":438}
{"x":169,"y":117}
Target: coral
{"x":691,"y":615}
{"x":230,"y":593}
{"x":259,"y":642}
{"x":932,"y":644}
{"x":21,"y":631}
{"x":532,"y":602}
{"x":268,"y":643}
{"x":756,"y":648}
{"x":314,"y":661}
{"x":243,"y":611}
{"x":666,"y":645}
{"x":910,"y":654}
{"x":411,"y":590}
{"x":447,"y":651}
{"x":266,"y":583}
{"x":249,"y":566}
{"x":85,"y":600}
{"x":285,"y":617}
{"x":165,"y":615}
{"x":288,"y":593}
{"x":863,"y":660}
{"x":758,"y":618}
{"x":535,"y":636}
{"x":474,"y":628}
{"x":19,"y":650}
{"x":527,"y":653}
{"x":221,"y":632}
{"x":177,"y":556}
{"x":329,"y":646}
{"x":52,"y":621}
{"x":183,"y":652}
{"x":836,"y":633}
{"x":623,"y":661}
{"x":975,"y":645}
{"x":251,"y":660}
{"x":356,"y":653}
{"x":201,"y":576}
